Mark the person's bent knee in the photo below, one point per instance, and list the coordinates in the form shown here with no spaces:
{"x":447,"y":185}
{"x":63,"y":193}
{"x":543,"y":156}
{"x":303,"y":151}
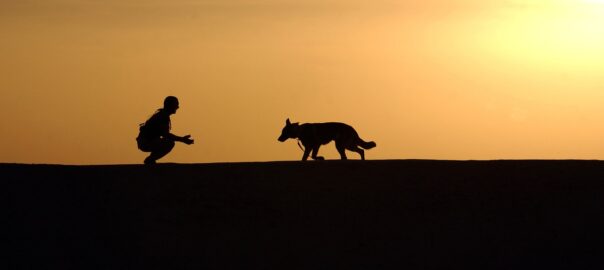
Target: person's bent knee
{"x":166,"y":146}
{"x":170,"y":144}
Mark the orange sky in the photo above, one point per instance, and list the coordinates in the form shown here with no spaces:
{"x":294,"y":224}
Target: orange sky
{"x":429,"y":79}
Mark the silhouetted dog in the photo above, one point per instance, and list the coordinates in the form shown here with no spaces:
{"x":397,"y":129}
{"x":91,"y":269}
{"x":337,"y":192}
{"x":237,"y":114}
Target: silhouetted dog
{"x":313,"y":135}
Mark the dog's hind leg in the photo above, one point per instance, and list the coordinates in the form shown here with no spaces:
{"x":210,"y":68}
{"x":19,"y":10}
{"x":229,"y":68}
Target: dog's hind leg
{"x":358,"y":150}
{"x":342,"y":150}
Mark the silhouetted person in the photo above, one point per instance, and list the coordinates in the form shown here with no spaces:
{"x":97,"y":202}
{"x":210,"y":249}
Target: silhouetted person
{"x":155,"y":136}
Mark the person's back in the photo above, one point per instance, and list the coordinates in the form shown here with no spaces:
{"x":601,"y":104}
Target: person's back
{"x":154,"y":135}
{"x":156,"y":126}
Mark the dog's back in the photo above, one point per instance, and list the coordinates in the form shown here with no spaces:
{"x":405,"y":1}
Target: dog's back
{"x":323,"y":133}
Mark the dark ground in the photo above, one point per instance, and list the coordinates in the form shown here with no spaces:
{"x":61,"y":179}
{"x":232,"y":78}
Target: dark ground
{"x":407,"y":214}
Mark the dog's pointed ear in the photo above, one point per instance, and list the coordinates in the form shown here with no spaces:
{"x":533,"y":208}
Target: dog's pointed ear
{"x":287,"y":122}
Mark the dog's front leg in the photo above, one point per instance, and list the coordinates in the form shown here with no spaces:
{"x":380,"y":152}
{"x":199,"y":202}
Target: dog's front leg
{"x":306,"y":153}
{"x":315,"y":152}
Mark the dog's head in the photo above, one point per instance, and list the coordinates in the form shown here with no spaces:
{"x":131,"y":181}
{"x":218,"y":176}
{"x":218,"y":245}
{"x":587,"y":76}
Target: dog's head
{"x":289,"y":131}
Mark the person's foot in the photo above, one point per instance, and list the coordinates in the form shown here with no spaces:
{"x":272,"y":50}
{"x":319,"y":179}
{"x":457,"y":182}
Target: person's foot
{"x":149,"y":161}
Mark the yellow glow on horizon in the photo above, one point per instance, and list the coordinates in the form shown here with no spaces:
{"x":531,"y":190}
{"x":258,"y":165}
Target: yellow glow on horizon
{"x":551,"y":36}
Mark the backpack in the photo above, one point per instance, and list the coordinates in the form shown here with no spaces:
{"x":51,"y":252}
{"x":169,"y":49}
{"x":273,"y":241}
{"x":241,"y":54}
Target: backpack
{"x":152,"y":127}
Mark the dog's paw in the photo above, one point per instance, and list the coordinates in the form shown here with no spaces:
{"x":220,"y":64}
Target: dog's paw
{"x":319,"y":158}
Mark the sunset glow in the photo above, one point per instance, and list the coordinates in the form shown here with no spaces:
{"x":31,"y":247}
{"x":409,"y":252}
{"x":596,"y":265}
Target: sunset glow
{"x":428,"y":79}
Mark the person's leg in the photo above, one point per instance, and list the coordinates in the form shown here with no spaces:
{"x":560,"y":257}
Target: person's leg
{"x":159,"y":149}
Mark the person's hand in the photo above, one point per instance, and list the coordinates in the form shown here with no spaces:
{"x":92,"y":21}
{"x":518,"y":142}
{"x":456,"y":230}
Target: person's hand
{"x":187,"y":139}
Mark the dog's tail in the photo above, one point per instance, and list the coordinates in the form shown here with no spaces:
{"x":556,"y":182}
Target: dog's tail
{"x":366,"y":145}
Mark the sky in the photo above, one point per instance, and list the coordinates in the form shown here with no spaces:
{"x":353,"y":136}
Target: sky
{"x":430,"y":79}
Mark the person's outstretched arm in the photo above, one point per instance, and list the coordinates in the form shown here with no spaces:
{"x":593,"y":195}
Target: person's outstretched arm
{"x":185,"y":139}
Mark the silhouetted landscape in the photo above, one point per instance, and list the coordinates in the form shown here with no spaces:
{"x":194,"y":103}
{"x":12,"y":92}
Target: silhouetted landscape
{"x":390,"y":214}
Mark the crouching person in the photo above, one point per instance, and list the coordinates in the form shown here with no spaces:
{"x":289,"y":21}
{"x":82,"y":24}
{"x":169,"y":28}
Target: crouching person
{"x":155,"y":136}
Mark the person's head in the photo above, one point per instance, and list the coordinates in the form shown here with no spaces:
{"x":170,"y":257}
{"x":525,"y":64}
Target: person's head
{"x":171,"y":104}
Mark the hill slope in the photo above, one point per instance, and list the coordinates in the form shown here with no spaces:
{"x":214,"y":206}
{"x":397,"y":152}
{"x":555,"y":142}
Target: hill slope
{"x":314,"y":215}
